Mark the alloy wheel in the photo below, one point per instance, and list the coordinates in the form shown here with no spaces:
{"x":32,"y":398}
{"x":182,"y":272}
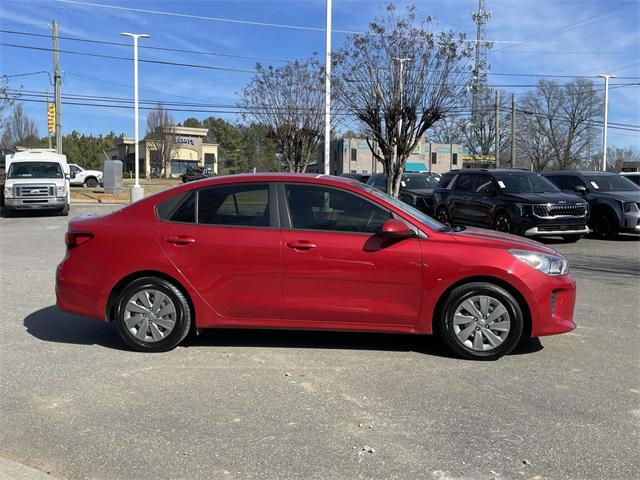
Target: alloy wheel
{"x":442,"y":215}
{"x":481,"y":323}
{"x":150,"y":315}
{"x":503,"y":224}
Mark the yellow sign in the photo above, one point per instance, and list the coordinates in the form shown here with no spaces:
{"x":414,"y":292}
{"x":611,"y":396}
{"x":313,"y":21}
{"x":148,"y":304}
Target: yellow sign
{"x":51,"y":118}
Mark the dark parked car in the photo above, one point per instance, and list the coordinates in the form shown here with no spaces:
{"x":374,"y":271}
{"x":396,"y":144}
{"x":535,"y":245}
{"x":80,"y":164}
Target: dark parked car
{"x":361,"y":177}
{"x":416,"y":189}
{"x":633,"y":176}
{"x":511,"y":201}
{"x":195,"y":173}
{"x":614,"y":200}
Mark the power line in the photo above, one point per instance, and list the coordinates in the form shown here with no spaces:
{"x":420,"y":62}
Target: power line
{"x":147,"y":47}
{"x":114,"y":57}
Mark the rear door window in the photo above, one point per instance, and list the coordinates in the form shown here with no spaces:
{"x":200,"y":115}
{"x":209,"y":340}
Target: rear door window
{"x":234,"y":205}
{"x":465,"y":182}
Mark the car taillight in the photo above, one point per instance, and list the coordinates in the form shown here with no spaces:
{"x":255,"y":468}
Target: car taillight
{"x":74,"y":240}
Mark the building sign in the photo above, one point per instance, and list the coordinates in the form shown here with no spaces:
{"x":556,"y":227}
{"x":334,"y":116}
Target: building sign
{"x":187,"y":140}
{"x":443,"y":149}
{"x":363,"y":146}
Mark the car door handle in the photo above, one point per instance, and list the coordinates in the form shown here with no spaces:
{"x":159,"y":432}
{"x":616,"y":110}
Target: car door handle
{"x":301,"y":245}
{"x":180,"y":240}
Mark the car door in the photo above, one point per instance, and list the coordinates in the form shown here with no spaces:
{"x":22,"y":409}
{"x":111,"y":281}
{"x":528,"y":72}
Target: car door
{"x":484,"y":199}
{"x":337,"y":270}
{"x":225,"y":240}
{"x":462,"y":197}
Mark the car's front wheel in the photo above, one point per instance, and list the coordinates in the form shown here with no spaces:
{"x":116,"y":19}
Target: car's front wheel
{"x":152,"y":315}
{"x":503,"y":223}
{"x":442,"y":215}
{"x":481,"y":321}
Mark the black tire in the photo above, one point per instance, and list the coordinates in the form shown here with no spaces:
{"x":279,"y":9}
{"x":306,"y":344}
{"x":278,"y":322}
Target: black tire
{"x":91,"y":182}
{"x":182,"y":321}
{"x":604,"y":224}
{"x":442,"y":215}
{"x":445,"y":326}
{"x":502,"y":223}
{"x":571,"y":238}
{"x":7,"y":213}
{"x":64,"y":212}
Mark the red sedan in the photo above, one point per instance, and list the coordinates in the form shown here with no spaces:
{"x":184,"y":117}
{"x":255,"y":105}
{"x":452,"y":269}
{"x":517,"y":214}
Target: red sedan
{"x":307,"y":252}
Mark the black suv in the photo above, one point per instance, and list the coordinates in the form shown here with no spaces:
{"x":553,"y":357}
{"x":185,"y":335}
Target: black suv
{"x":614,"y":200}
{"x":511,"y":201}
{"x":416,"y":189}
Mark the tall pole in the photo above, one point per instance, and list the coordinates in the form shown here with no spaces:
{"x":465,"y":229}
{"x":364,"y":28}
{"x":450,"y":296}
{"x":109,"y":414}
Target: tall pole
{"x":401,"y":61}
{"x":606,"y":119}
{"x":137,"y":192}
{"x":513,"y":130}
{"x":327,"y":93}
{"x":57,"y":83}
{"x":497,"y":129}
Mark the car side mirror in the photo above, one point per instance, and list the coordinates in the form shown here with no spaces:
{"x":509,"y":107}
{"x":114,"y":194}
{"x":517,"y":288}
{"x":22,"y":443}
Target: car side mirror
{"x":580,"y":189}
{"x":395,"y":228}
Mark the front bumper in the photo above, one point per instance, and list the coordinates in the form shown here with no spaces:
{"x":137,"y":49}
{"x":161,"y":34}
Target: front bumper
{"x":35,"y":203}
{"x":554,"y":230}
{"x":552,"y":303}
{"x":630,"y":222}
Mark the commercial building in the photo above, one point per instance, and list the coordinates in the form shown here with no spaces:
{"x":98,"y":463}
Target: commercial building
{"x":190,"y":149}
{"x":353,"y":155}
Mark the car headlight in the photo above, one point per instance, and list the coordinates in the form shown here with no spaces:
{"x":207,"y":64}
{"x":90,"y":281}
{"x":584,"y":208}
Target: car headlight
{"x":630,"y":207}
{"x":8,"y":192}
{"x":524,"y":209}
{"x":61,"y":191}
{"x":549,"y":264}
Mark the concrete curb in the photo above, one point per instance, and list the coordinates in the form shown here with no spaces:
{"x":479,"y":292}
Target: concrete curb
{"x":10,"y":470}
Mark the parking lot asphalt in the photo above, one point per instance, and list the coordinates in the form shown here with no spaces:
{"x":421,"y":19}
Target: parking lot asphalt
{"x":290,"y":405}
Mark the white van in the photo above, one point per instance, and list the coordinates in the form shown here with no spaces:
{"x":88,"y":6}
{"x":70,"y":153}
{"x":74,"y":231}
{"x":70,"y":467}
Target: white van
{"x":37,"y":179}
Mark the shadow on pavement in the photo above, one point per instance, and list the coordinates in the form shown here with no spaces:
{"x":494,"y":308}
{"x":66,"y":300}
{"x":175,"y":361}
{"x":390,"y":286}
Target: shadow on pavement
{"x":53,"y":325}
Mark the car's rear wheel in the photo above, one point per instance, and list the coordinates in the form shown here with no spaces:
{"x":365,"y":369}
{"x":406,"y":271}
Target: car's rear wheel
{"x":152,"y":315}
{"x":503,"y":223}
{"x":442,"y":215}
{"x":604,"y":225}
{"x":91,"y":182}
{"x":481,"y":321}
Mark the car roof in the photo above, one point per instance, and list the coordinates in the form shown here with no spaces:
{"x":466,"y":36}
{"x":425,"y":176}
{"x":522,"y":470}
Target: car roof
{"x":578,"y":172}
{"x":275,"y":177}
{"x":490,"y":170}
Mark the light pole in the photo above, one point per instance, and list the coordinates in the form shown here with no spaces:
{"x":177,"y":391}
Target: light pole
{"x":401,"y":60}
{"x":136,"y":191}
{"x":606,"y":119}
{"x":327,"y":93}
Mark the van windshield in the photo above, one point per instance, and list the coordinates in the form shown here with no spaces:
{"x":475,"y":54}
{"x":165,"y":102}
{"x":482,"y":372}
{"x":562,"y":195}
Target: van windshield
{"x":35,"y":170}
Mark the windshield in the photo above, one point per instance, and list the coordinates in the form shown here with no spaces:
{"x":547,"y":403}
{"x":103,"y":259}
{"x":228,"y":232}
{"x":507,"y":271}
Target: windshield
{"x":611,"y":183}
{"x":35,"y":170}
{"x":524,"y":182}
{"x":419,"y":182}
{"x":408,"y":209}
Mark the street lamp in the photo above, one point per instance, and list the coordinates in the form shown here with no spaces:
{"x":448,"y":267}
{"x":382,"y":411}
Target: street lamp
{"x":606,"y":119}
{"x":136,"y":191}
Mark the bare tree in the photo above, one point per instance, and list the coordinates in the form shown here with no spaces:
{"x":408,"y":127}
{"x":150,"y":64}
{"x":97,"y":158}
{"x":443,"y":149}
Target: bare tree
{"x":616,"y":157}
{"x":7,"y":100}
{"x":289,"y":102}
{"x":19,"y":130}
{"x":395,"y":110}
{"x":161,"y":137}
{"x":447,"y":130}
{"x":563,"y":119}
{"x":479,"y":132}
{"x":533,"y":147}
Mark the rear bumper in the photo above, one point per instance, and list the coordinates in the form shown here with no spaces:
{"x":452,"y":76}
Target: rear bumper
{"x":35,"y":203}
{"x":77,"y":291}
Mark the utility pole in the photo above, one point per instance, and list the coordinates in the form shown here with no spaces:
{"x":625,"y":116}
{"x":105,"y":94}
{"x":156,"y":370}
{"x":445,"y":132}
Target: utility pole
{"x":497,"y":129}
{"x":57,"y":83}
{"x":606,"y":119}
{"x":513,"y":130}
{"x":137,"y":191}
{"x":327,"y":93}
{"x":401,"y":61}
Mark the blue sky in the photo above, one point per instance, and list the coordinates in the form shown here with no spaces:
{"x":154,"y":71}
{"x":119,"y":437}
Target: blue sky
{"x":563,"y":37}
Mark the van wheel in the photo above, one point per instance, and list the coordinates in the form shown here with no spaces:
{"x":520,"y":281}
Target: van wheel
{"x":63,"y":212}
{"x":503,"y":223}
{"x":605,"y":225}
{"x":481,"y":321}
{"x":152,"y":315}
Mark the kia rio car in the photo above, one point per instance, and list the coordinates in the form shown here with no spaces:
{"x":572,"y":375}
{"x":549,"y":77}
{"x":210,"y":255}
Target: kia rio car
{"x":307,"y":252}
